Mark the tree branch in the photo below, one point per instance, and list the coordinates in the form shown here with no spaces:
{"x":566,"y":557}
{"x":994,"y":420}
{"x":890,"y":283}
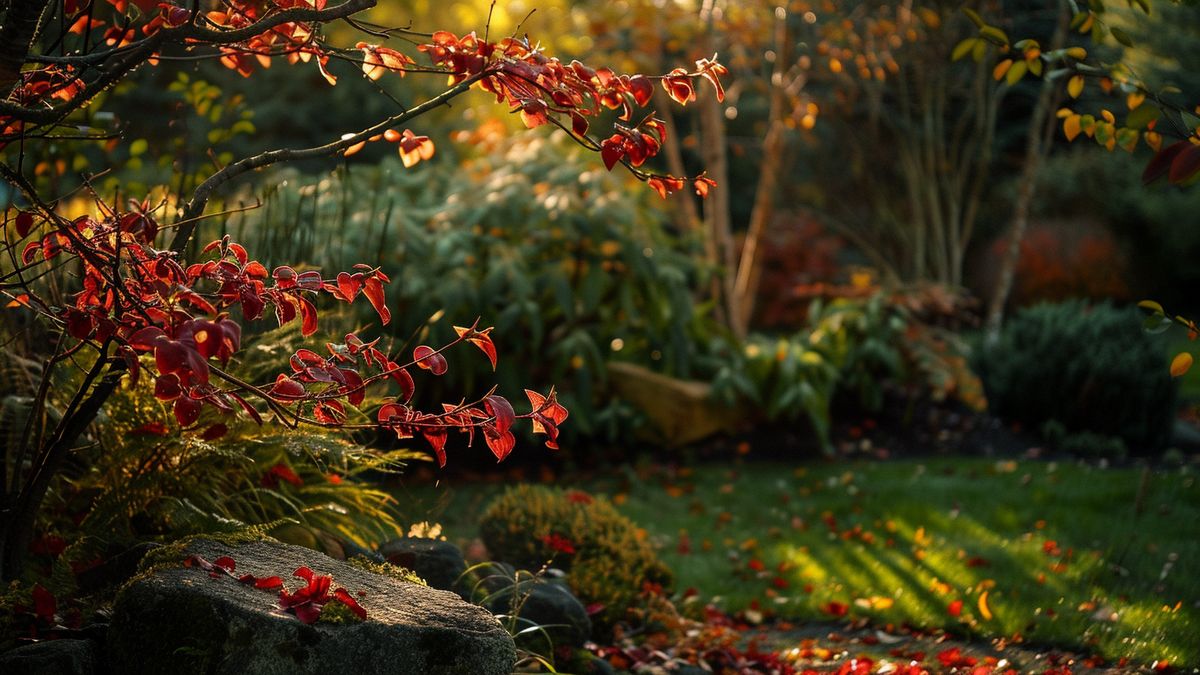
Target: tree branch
{"x":205,"y":190}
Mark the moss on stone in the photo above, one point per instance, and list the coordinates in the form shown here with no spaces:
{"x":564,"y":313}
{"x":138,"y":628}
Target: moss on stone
{"x":386,"y":569}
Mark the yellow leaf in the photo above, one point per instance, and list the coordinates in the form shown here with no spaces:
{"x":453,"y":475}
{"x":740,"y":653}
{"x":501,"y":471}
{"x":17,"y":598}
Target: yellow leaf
{"x":1075,"y":86}
{"x":1071,"y":127}
{"x":1064,"y":113}
{"x":984,"y":611}
{"x":1077,"y":53}
{"x":1134,"y":99}
{"x":1181,"y":364}
{"x":1016,"y":72}
{"x":1001,"y":68}
{"x":1108,"y":117}
{"x":1153,"y":139}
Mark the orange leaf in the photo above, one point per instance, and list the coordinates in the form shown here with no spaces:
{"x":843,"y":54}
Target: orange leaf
{"x":984,"y":611}
{"x":1181,"y":364}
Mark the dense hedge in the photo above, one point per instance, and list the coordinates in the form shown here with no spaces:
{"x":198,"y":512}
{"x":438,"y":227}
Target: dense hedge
{"x":1089,"y":368}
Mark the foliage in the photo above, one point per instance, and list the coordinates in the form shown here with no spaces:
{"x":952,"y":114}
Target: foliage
{"x":556,"y":251}
{"x":144,"y":479}
{"x":134,"y":301}
{"x":1089,"y":368}
{"x":1144,"y":111}
{"x":605,"y":555}
{"x":1086,"y":444}
{"x":853,"y":349}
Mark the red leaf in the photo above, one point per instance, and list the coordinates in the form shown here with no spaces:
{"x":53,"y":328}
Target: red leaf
{"x":310,"y":280}
{"x":374,"y":291}
{"x":354,"y":389}
{"x":1160,"y":164}
{"x":187,"y":411}
{"x":226,"y":563}
{"x":500,"y":443}
{"x":167,"y":387}
{"x":144,"y":340}
{"x":343,"y":597}
{"x":280,"y":472}
{"x":308,"y":317}
{"x":579,"y":124}
{"x":1185,"y":165}
{"x":428,"y":359}
{"x":45,"y":605}
{"x":209,"y":338}
{"x":955,"y":608}
{"x":480,"y":339}
{"x":79,"y":324}
{"x":287,"y":389}
{"x":348,"y":285}
{"x":437,"y":438}
{"x":641,"y":88}
{"x":499,"y":408}
{"x":404,"y":379}
{"x":556,"y":542}
{"x":285,"y":277}
{"x":612,"y":150}
{"x":834,"y":608}
{"x":330,"y":412}
{"x":24,"y":223}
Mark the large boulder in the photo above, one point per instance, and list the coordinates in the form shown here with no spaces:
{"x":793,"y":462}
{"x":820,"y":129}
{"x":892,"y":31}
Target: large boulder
{"x":53,"y":657}
{"x":438,"y":562}
{"x":181,"y":620}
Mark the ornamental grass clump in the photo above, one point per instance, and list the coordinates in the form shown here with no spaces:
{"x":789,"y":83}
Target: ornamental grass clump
{"x":608,"y":561}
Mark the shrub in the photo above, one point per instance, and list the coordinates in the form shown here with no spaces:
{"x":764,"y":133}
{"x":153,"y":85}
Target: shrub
{"x":606,"y":558}
{"x":1091,"y":368}
{"x":850,"y":350}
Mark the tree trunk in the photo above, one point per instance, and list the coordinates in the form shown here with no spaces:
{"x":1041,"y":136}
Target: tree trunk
{"x":749,"y":267}
{"x":1037,"y":145}
{"x":21,"y":24}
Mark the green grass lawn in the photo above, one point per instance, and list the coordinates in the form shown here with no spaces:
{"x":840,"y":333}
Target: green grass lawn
{"x":1058,"y":554}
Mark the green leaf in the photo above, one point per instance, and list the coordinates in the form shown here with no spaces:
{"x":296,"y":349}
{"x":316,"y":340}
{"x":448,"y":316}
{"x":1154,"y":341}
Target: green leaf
{"x":994,"y":35}
{"x":963,"y":48}
{"x":1151,"y":306}
{"x":974,"y":17}
{"x":1015,"y":73}
{"x":1142,"y":116}
{"x":1121,"y":36}
{"x":138,"y":147}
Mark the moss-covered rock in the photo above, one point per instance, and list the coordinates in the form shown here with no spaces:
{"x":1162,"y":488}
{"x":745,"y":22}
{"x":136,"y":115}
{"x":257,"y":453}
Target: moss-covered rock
{"x":180,"y":620}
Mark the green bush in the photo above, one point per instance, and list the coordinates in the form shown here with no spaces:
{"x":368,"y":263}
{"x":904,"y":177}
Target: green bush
{"x":1092,"y":369}
{"x":605,"y":555}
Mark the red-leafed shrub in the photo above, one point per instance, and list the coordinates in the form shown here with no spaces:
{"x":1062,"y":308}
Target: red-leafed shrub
{"x":120,"y":293}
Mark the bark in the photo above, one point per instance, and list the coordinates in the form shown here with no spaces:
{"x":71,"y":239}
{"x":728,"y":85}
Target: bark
{"x":716,"y":207}
{"x":20,"y":29}
{"x":749,"y":268}
{"x":1036,"y":147}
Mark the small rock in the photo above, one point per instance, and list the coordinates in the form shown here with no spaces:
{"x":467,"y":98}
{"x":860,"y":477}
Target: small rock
{"x":182,"y":621}
{"x":51,"y":657}
{"x":549,"y":604}
{"x":438,"y":562}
